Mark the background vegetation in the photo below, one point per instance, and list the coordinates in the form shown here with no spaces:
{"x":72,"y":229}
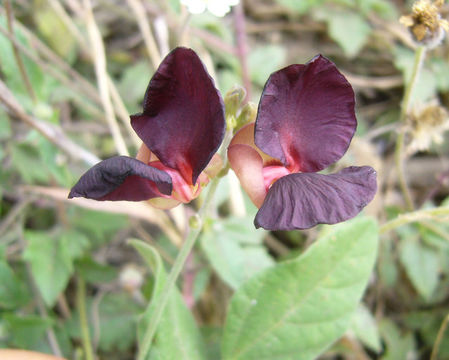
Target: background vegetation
{"x":65,"y":90}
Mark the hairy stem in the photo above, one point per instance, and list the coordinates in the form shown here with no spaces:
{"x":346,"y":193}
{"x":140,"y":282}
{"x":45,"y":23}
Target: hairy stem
{"x":439,"y":213}
{"x":399,"y":151}
{"x":81,"y":303}
{"x":178,"y":265}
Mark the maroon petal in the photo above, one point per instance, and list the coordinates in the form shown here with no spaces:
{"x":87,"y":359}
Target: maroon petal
{"x":183,"y":115}
{"x":300,"y":201}
{"x":122,"y":178}
{"x":306,"y":115}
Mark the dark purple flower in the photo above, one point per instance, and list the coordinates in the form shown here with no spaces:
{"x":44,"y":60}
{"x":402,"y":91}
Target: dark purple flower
{"x":181,"y":126}
{"x":305,"y":122}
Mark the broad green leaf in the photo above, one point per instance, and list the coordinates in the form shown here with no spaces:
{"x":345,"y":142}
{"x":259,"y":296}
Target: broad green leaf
{"x":93,"y":272}
{"x":260,"y":69}
{"x":133,"y":83}
{"x":296,"y":309}
{"x":234,"y":249}
{"x":53,"y":29}
{"x":177,"y":337}
{"x":40,"y":82}
{"x":26,"y":332}
{"x":27,"y":161}
{"x":12,"y":291}
{"x":5,"y":125}
{"x":363,"y":325}
{"x":398,"y":345}
{"x":100,"y":226}
{"x":350,"y":30}
{"x":421,"y":264}
{"x":118,"y":319}
{"x":51,"y":259}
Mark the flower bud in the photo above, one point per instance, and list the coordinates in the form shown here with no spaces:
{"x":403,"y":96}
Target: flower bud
{"x":131,"y":278}
{"x":233,"y":100}
{"x":247,"y":115}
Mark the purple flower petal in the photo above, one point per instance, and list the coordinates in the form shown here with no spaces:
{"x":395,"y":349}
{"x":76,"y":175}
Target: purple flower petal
{"x":122,"y":178}
{"x":183,"y":115}
{"x":306,"y":115}
{"x":300,"y":201}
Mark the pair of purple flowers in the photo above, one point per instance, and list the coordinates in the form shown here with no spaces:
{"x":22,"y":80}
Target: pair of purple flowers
{"x":305,"y":122}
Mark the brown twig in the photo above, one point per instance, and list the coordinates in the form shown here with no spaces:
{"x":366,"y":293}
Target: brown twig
{"x":20,"y":65}
{"x":60,"y":76}
{"x":54,"y":134}
{"x":148,"y":38}
{"x":102,"y":77}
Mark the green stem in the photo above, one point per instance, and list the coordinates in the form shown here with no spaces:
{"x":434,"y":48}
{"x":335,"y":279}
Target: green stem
{"x":414,"y":216}
{"x":399,"y":155}
{"x":81,"y":303}
{"x":178,"y":265}
{"x":436,"y":346}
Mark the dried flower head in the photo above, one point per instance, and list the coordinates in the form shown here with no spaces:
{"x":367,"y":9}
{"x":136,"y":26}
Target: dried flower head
{"x":425,"y":126}
{"x":425,"y":22}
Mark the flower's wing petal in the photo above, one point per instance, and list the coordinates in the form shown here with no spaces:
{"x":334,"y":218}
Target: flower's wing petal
{"x":300,"y":201}
{"x":183,"y":120}
{"x":122,"y":178}
{"x":248,"y":164}
{"x":306,"y":115}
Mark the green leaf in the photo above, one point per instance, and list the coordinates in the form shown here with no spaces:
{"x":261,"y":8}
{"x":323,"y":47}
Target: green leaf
{"x":398,"y":346}
{"x":93,"y":272}
{"x":12,"y":291}
{"x":349,"y":30}
{"x":51,"y":259}
{"x":234,"y":249}
{"x":365,"y":328}
{"x":260,"y":68}
{"x":5,"y":125}
{"x":177,"y":337}
{"x":421,"y":264}
{"x":53,"y":29}
{"x":133,"y":83}
{"x":27,"y":161}
{"x":118,"y":319}
{"x":26,"y":332}
{"x":99,"y":225}
{"x":296,"y":309}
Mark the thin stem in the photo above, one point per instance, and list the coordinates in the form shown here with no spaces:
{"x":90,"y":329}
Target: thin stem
{"x":102,"y":78}
{"x":415,"y":216}
{"x":399,"y":154}
{"x":139,"y":11}
{"x":242,"y":47}
{"x":174,"y":273}
{"x":180,"y":260}
{"x":81,"y":303}
{"x":20,"y":65}
{"x":439,"y":338}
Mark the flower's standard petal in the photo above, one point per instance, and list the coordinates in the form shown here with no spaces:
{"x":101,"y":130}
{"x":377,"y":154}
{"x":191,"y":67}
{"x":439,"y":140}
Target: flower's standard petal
{"x":183,"y":120}
{"x":248,"y":166}
{"x":122,"y":178}
{"x":300,"y":201}
{"x":306,"y":116}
